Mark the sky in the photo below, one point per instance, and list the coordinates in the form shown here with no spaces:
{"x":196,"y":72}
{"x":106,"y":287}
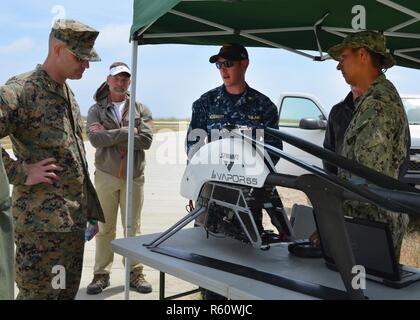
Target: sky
{"x":171,"y":77}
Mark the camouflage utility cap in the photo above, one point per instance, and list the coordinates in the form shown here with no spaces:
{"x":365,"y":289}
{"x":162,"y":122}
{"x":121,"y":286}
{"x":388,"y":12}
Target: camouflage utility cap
{"x":370,"y":39}
{"x":78,"y":37}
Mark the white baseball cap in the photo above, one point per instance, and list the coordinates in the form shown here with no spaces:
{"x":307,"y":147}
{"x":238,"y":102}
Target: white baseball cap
{"x":119,"y":69}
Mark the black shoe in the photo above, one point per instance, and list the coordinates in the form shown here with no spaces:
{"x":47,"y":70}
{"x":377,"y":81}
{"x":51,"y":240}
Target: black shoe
{"x":305,"y":249}
{"x":98,"y":284}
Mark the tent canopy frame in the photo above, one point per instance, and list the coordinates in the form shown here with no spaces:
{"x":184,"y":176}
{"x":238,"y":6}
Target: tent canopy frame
{"x":316,"y":27}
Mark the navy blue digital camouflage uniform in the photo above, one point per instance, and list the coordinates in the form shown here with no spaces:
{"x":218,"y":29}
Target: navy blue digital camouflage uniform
{"x":215,"y":109}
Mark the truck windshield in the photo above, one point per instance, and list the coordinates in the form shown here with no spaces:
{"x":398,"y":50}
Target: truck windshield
{"x":412,"y":108}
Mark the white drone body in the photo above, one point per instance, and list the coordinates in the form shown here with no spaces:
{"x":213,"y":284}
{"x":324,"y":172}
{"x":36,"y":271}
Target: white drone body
{"x":227,"y":179}
{"x":232,"y":160}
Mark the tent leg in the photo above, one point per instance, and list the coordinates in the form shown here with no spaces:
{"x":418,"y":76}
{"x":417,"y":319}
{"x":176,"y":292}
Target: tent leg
{"x":130,"y":162}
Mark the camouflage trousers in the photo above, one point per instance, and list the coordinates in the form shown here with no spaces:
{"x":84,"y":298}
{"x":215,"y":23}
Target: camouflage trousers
{"x":397,"y":222}
{"x":48,"y":264}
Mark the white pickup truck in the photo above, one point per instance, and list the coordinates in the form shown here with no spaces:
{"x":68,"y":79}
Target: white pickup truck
{"x":303,"y":116}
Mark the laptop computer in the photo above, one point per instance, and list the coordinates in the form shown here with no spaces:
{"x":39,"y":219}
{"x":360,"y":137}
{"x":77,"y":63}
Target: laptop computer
{"x":373,"y":248}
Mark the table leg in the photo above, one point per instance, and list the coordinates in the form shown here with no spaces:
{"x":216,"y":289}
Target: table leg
{"x":161,"y":285}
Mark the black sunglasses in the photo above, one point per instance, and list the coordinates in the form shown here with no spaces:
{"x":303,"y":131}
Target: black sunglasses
{"x":226,"y":64}
{"x":80,"y":60}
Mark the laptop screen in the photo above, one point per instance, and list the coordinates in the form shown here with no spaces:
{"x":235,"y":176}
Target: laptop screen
{"x":372,"y":247}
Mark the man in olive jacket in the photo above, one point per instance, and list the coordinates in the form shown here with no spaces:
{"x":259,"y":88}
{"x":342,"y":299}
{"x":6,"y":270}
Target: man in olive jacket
{"x":107,"y":130}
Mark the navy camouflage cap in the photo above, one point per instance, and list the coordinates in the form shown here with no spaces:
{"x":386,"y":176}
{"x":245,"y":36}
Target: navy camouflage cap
{"x":372,"y":40}
{"x":78,"y":37}
{"x":230,"y":51}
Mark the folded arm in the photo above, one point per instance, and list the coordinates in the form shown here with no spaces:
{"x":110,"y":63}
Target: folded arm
{"x":100,"y":137}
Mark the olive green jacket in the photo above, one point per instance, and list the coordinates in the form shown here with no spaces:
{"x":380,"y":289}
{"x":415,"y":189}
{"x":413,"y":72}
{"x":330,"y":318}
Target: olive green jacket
{"x":111,"y":144}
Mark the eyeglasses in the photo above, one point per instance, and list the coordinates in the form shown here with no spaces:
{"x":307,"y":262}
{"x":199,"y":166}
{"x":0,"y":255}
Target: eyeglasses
{"x":77,"y":58}
{"x":226,"y":64}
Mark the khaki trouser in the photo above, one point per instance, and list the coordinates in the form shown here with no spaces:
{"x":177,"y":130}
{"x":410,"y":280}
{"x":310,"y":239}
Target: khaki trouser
{"x":112,"y":192}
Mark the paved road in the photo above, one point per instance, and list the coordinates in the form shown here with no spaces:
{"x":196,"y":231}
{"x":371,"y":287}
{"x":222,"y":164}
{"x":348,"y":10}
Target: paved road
{"x":163,"y":206}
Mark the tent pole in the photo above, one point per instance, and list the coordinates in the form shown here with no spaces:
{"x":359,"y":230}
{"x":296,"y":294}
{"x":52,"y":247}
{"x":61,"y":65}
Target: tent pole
{"x":403,"y":25}
{"x":400,"y":8}
{"x":399,"y":54}
{"x":130,"y":161}
{"x":238,"y":32}
{"x":318,"y":23}
{"x":140,"y":33}
{"x":386,"y":33}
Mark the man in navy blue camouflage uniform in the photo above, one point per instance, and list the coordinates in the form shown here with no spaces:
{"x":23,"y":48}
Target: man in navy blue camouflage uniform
{"x":233,"y":103}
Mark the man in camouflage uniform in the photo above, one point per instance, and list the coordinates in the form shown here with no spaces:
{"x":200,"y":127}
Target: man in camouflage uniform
{"x":234,"y":103}
{"x":7,"y":282}
{"x":378,"y":133}
{"x":107,"y":130}
{"x":52,"y":195}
